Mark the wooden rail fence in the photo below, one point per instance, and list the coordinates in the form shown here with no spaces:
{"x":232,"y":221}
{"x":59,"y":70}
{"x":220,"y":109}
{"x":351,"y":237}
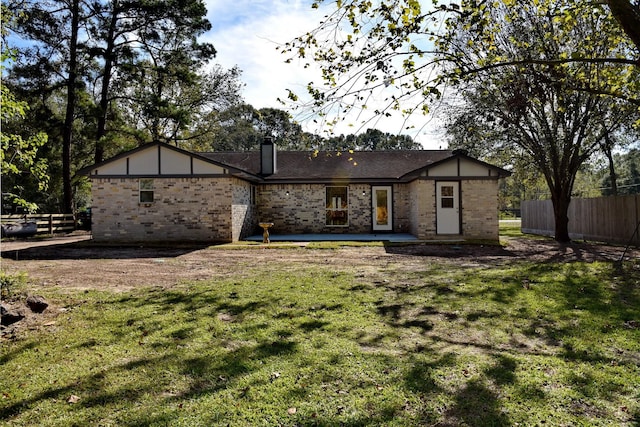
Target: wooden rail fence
{"x":47,"y":223}
{"x":611,"y":219}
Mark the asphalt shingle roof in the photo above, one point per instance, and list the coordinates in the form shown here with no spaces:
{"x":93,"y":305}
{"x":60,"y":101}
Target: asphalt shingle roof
{"x":308,"y":166}
{"x":322,"y":166}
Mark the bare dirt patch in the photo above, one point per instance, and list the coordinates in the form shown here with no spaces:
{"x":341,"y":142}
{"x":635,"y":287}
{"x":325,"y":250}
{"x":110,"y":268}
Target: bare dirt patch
{"x":82,"y":265}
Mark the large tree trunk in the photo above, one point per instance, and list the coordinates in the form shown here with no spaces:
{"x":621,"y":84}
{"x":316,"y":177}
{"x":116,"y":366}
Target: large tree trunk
{"x":560,"y":184}
{"x":67,"y":134}
{"x":560,"y":210}
{"x":106,"y":82}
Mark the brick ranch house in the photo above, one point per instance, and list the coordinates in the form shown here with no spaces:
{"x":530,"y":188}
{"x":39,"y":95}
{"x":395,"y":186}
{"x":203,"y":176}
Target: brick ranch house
{"x":158,"y":192}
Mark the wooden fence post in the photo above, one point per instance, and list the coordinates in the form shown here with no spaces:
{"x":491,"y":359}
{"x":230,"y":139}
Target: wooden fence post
{"x":46,"y":223}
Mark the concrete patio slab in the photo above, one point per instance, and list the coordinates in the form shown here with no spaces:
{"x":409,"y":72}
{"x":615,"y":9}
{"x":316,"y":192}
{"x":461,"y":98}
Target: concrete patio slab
{"x":382,"y":237}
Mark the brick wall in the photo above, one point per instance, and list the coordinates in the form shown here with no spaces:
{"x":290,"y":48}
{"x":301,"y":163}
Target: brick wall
{"x":227,"y":209}
{"x":480,"y":209}
{"x":402,"y":203}
{"x":423,"y":209}
{"x":479,"y":204}
{"x":184,"y":209}
{"x":301,"y":209}
{"x":243,"y":209}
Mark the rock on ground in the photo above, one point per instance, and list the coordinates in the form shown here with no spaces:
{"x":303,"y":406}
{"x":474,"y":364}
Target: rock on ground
{"x":37,"y":304}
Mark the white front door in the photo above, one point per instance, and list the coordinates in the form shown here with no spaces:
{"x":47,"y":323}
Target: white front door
{"x":448,"y":207}
{"x":382,"y":207}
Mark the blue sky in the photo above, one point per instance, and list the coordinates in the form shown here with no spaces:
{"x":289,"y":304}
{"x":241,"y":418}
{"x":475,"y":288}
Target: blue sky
{"x":246,"y":33}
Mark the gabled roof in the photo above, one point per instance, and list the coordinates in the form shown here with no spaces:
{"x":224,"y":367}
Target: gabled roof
{"x":304,"y":166}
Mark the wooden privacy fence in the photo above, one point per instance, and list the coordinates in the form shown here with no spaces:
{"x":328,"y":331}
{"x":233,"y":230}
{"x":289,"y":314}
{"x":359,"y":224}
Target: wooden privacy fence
{"x":611,"y":219}
{"x":47,"y":223}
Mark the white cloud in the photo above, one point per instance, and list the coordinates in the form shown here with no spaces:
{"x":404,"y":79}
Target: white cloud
{"x":246,"y":33}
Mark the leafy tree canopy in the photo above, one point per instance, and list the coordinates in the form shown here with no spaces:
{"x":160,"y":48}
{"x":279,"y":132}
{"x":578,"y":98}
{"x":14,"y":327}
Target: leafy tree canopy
{"x":371,"y":140}
{"x":87,"y":58}
{"x":400,"y":50}
{"x":18,"y":153}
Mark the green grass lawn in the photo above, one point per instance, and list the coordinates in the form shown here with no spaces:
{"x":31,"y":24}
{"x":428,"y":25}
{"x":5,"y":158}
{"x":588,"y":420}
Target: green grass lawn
{"x":477,"y":345}
{"x":510,"y":228}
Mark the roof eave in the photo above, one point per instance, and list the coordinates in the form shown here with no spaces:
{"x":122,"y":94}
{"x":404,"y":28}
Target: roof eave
{"x":331,"y":180}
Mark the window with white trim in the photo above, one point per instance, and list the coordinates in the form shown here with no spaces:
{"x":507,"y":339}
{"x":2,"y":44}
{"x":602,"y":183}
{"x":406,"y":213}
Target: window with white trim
{"x":146,"y":190}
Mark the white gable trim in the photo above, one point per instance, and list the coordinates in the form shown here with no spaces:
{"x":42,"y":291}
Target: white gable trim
{"x":156,"y":160}
{"x":462,"y":167}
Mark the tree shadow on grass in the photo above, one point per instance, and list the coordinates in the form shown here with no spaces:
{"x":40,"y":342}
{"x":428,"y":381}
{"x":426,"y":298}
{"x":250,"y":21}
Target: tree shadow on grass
{"x":626,"y":288}
{"x":419,"y":378}
{"x":167,"y":339}
{"x":476,"y":405}
{"x":313,"y":325}
{"x":7,"y":356}
{"x":396,"y":316}
{"x":91,"y":388}
{"x":475,"y":400}
{"x":207,"y":374}
{"x":584,"y":300}
{"x":580,"y":294}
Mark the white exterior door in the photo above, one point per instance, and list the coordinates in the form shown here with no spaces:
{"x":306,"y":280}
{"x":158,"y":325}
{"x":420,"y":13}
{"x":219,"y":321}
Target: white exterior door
{"x":448,"y":207}
{"x":382,"y":208}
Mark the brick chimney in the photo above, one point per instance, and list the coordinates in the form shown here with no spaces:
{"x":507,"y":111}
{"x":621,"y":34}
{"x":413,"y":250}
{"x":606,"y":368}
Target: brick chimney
{"x":267,"y":157}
